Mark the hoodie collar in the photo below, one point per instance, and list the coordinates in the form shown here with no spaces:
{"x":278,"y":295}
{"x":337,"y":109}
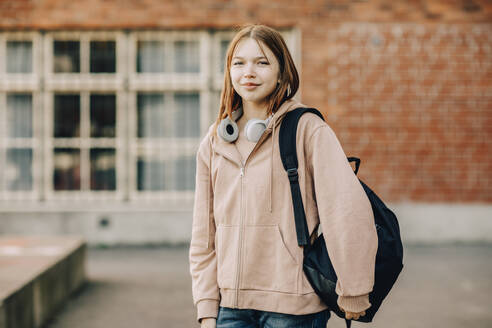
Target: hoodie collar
{"x":229,"y":149}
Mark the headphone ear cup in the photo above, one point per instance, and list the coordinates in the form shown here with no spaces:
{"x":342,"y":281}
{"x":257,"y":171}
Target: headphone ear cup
{"x":246,"y":127}
{"x":228,"y":130}
{"x":254,"y":129}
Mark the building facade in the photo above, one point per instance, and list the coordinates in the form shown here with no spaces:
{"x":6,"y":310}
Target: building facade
{"x":102,"y":107}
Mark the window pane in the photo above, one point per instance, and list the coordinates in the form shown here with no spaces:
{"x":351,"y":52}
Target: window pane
{"x":67,"y":56}
{"x":19,"y":57}
{"x":166,"y":174}
{"x":150,"y":56}
{"x":185,"y":169}
{"x":19,"y":115}
{"x":66,"y":174}
{"x":103,"y":56}
{"x":103,"y":169}
{"x":18,"y":173}
{"x":215,"y":101}
{"x":67,"y":116}
{"x":187,"y":118}
{"x":103,"y":116}
{"x":151,"y":174}
{"x":152,"y":116}
{"x":186,"y":57}
{"x":223,"y":50}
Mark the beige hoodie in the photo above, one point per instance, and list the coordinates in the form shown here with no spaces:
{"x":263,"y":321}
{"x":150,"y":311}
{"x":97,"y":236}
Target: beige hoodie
{"x":243,"y":251}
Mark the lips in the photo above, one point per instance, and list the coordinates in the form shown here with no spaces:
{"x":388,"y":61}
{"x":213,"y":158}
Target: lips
{"x":250,"y":86}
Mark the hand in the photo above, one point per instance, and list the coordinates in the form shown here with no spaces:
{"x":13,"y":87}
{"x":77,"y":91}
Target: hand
{"x":208,"y":323}
{"x":353,"y":315}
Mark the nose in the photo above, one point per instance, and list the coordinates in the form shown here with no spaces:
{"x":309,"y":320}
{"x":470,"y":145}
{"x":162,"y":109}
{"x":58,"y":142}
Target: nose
{"x":249,"y":71}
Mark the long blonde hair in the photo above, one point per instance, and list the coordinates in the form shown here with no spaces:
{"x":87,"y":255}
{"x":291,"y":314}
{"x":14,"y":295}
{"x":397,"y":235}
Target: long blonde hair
{"x":289,"y":78}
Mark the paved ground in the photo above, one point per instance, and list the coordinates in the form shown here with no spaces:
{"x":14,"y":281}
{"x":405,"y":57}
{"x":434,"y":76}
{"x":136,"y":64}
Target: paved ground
{"x":446,"y":286}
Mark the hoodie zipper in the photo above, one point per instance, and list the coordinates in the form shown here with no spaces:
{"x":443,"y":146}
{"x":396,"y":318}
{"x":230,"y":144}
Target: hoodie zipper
{"x":238,"y":271}
{"x":239,"y":249}
{"x":241,"y":175}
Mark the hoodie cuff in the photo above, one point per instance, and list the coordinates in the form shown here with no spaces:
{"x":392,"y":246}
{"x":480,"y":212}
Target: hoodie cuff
{"x":354,"y":304}
{"x":207,"y":309}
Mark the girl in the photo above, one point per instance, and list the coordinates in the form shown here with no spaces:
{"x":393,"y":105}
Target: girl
{"x":245,"y":263}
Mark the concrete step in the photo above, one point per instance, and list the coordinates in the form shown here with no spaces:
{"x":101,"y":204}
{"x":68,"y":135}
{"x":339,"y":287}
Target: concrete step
{"x":37,"y":275}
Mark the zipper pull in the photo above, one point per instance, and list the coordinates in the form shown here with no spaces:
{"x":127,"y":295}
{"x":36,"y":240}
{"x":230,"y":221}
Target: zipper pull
{"x":242,"y":171}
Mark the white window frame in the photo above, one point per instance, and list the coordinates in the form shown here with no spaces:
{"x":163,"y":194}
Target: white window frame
{"x":85,"y":84}
{"x":84,"y":142}
{"x":33,"y":143}
{"x":169,"y":80}
{"x":125,"y":83}
{"x":21,"y":81}
{"x":166,"y":83}
{"x":85,"y":80}
{"x":28,"y":83}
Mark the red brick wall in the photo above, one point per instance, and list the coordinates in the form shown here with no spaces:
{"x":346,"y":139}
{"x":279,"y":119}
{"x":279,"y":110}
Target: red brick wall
{"x":406,"y":85}
{"x":414,"y":101}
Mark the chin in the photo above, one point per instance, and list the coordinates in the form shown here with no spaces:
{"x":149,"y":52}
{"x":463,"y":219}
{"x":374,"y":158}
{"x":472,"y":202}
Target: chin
{"x":253,"y":98}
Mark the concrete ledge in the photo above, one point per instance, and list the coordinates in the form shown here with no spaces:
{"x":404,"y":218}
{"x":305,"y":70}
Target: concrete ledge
{"x":420,"y":223}
{"x":37,"y":276}
{"x":435,"y":224}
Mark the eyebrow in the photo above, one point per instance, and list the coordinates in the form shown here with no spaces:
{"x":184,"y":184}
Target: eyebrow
{"x":259,"y":57}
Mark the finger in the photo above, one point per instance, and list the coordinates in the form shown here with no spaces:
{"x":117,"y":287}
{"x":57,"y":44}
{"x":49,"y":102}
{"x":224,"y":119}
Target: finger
{"x":360,"y":314}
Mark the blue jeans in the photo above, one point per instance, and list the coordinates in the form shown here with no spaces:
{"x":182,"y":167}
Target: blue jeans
{"x":246,"y":318}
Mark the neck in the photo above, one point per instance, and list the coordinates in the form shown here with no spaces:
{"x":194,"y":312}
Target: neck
{"x":254,"y":110}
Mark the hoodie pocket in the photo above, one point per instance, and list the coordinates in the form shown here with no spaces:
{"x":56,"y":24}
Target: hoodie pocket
{"x":226,"y":241}
{"x":268,"y":263}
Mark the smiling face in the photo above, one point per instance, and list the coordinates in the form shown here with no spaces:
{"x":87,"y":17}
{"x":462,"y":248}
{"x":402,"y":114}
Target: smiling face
{"x":254,"y":73}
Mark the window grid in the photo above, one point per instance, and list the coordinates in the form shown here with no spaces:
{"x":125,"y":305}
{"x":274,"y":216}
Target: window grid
{"x":14,"y":144}
{"x":167,"y":83}
{"x":126,"y":83}
{"x":85,"y":143}
{"x":169,"y":80}
{"x":161,"y":148}
{"x":18,"y":81}
{"x":85,"y":80}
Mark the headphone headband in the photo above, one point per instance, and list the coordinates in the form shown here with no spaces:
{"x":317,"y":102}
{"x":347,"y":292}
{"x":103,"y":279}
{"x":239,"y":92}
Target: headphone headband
{"x":236,"y":115}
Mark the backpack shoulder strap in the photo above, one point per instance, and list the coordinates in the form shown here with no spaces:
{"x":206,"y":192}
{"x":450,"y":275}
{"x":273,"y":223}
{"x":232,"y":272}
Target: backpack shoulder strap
{"x":288,"y":154}
{"x":287,"y":136}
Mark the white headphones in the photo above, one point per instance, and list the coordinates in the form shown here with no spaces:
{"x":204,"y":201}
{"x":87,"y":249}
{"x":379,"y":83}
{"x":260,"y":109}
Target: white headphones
{"x":229,"y":131}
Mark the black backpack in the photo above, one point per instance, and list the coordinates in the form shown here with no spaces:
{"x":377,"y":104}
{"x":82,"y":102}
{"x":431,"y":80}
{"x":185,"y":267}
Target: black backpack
{"x":317,"y":265}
